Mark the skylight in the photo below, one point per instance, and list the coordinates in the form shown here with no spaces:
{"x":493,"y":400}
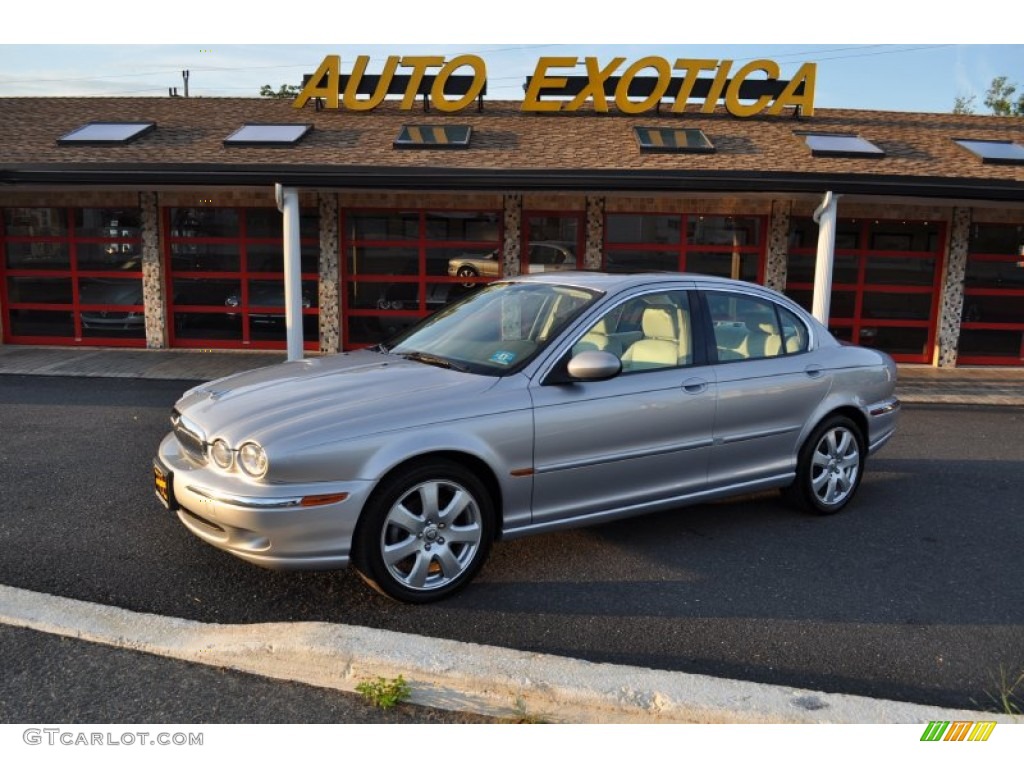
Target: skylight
{"x":434,"y":137}
{"x":268,"y":134}
{"x":994,"y":151}
{"x":672,"y":140}
{"x":106,"y":133}
{"x":840,"y":145}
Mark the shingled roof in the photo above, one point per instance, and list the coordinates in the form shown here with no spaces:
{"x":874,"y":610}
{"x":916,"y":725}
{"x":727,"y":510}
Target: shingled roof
{"x":510,"y":149}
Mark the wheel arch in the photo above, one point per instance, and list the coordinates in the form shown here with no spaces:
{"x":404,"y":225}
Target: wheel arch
{"x":474,"y":464}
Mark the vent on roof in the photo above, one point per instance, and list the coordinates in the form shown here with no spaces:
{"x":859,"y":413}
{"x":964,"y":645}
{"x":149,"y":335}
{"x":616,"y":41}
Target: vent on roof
{"x":268,"y":134}
{"x":840,"y":145}
{"x":672,"y":140}
{"x":434,"y":137}
{"x":102,"y":134}
{"x":1005,"y":152}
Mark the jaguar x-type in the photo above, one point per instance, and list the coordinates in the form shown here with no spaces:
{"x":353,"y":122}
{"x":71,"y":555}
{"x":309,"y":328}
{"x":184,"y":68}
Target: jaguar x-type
{"x":533,"y":404}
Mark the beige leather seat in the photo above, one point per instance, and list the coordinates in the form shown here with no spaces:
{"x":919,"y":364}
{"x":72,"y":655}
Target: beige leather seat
{"x":597,"y":339}
{"x":660,"y":346}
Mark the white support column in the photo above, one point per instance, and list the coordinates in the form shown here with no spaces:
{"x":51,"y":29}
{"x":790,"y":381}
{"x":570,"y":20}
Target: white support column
{"x":825,"y":218}
{"x":288,"y":204}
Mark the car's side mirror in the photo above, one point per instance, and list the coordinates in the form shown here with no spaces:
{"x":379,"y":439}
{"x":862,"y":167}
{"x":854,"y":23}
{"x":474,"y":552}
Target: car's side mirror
{"x":594,"y":366}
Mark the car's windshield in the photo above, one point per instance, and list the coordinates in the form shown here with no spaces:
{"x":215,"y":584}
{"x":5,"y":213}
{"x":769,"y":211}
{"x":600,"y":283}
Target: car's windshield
{"x":495,"y":331}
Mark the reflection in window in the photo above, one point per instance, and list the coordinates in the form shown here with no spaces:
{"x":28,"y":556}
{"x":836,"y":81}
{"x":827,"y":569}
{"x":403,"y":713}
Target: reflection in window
{"x":438,"y":257}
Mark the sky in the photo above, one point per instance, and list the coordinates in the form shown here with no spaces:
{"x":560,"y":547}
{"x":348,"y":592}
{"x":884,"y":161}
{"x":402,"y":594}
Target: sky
{"x":905,"y":65}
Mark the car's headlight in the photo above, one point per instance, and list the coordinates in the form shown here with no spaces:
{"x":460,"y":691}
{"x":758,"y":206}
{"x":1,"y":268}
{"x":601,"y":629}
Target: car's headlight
{"x":253,"y":460}
{"x":222,"y":454}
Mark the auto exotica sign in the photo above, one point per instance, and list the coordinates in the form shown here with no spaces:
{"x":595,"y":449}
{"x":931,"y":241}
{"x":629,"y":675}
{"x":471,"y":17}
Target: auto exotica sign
{"x":751,"y":89}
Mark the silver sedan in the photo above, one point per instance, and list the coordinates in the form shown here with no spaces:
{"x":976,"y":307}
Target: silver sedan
{"x":532,"y":405}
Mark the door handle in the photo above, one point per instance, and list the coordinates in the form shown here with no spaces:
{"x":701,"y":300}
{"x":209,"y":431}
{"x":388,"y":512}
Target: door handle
{"x":814,"y":371}
{"x":695,"y":386}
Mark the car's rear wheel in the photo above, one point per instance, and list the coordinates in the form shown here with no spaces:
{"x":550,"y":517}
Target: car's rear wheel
{"x":829,"y":467}
{"x":426,"y":532}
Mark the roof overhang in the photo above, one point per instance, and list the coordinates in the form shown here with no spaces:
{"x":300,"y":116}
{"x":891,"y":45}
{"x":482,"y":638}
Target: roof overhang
{"x":491,"y":180}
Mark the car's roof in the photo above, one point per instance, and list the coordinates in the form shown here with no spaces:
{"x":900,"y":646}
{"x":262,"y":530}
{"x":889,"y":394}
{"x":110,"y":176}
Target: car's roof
{"x":609,"y":282}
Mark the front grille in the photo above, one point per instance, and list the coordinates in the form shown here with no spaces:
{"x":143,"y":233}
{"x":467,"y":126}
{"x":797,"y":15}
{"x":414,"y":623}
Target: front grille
{"x":190,"y":438}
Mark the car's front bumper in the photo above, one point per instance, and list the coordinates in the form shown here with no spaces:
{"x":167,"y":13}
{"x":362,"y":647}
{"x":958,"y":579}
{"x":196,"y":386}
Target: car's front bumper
{"x":882,"y":418}
{"x":288,"y":527}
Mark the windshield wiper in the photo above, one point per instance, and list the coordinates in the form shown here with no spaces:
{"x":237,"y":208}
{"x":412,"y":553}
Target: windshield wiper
{"x":440,"y":362}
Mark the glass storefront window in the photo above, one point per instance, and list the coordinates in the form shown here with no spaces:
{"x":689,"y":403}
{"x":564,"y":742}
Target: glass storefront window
{"x":993,"y":346}
{"x":437,"y":256}
{"x":904,"y":236}
{"x":118,"y":223}
{"x":992,"y":273}
{"x":996,"y":239}
{"x":738,"y":266}
{"x":398,"y":225}
{"x":803,"y":233}
{"x":465,"y":262}
{"x":226,"y":262}
{"x":723,"y":230}
{"x":40,"y":323}
{"x":895,"y":270}
{"x":72,"y":276}
{"x":637,"y":260}
{"x":992,"y":319}
{"x":726,"y":246}
{"x":205,"y":257}
{"x":460,"y":225}
{"x":384,"y":260}
{"x":195,"y":223}
{"x":44,"y":255}
{"x":873,"y":259}
{"x":35,"y":222}
{"x":896,"y":306}
{"x":269,"y":257}
{"x":642,"y":228}
{"x":993,"y":308}
{"x":552,"y":243}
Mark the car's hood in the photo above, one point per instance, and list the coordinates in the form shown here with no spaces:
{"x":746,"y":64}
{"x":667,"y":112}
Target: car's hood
{"x":339,"y":396}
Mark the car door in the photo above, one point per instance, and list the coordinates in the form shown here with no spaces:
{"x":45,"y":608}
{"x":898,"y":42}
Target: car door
{"x":641,"y":437}
{"x":769,"y":384}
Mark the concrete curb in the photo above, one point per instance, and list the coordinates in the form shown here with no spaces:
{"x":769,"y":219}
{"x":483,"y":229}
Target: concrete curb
{"x":458,"y":676}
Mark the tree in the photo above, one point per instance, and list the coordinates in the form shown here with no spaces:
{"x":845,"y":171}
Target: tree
{"x":964,"y":105}
{"x":1000,"y":98}
{"x":284,"y":92}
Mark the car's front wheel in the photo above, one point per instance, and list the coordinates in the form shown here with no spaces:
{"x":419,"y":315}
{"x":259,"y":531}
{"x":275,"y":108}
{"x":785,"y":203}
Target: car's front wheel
{"x":829,"y":467}
{"x":426,"y":532}
{"x":467,"y":271}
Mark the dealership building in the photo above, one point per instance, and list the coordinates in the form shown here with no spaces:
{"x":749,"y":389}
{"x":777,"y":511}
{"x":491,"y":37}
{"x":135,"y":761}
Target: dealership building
{"x":153,"y":222}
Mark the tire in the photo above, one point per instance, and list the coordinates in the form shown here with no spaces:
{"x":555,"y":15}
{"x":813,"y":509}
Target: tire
{"x":829,"y":467}
{"x":467,"y":271}
{"x":425,"y":533}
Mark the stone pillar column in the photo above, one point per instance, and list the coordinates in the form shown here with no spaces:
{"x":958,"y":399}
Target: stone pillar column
{"x":952,"y":302}
{"x":329,"y":296}
{"x":593,"y":250}
{"x":511,"y":256}
{"x":777,"y":256}
{"x":154,"y":297}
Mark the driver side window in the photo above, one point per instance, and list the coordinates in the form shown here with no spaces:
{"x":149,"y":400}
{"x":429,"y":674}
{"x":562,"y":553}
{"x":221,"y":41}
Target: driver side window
{"x":650,"y":332}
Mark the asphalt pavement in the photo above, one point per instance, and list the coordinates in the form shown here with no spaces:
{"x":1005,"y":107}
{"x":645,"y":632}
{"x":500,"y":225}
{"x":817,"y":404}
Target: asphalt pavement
{"x":471,"y":680}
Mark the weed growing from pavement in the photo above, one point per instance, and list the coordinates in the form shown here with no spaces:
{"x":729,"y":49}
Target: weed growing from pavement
{"x":383,"y":693}
{"x":1011,"y":693}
